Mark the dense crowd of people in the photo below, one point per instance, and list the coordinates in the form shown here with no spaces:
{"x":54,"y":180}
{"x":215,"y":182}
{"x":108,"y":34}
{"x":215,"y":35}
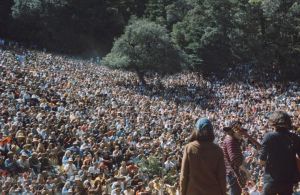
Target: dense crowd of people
{"x":70,"y":126}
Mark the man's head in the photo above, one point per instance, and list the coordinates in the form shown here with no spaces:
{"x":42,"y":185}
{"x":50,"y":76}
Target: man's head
{"x":203,"y":130}
{"x":280,"y":120}
{"x":234,"y":128}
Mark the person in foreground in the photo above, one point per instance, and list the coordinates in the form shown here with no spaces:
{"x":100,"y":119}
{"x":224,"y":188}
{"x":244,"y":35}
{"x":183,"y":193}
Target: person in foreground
{"x":203,"y":167}
{"x":278,"y":155}
{"x":233,"y":157}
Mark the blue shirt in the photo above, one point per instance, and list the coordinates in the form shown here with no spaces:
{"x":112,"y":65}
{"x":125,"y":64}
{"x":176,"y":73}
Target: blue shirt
{"x":279,"y":150}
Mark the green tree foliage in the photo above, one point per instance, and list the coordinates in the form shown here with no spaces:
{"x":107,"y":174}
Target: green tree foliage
{"x":5,"y":16}
{"x":151,"y":166}
{"x":155,"y":11}
{"x":212,"y":33}
{"x":280,"y":35}
{"x":215,"y":33}
{"x":204,"y":34}
{"x":176,"y":11}
{"x":73,"y":25}
{"x":166,"y":12}
{"x":144,"y":46}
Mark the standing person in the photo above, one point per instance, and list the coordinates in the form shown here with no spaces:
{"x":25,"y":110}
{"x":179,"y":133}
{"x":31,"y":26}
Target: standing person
{"x":203,"y":169}
{"x":233,"y":157}
{"x":278,"y":155}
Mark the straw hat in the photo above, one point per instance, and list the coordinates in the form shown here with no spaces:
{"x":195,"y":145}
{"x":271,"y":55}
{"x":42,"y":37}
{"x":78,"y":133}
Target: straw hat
{"x":21,"y":135}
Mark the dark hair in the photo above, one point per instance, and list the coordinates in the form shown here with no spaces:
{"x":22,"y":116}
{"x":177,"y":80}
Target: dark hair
{"x":280,"y":120}
{"x":207,"y":137}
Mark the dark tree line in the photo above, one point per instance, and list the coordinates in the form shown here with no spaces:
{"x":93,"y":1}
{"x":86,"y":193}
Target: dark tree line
{"x":71,"y":26}
{"x":203,"y":35}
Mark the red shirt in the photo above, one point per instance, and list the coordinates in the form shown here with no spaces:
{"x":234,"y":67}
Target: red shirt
{"x":232,"y":153}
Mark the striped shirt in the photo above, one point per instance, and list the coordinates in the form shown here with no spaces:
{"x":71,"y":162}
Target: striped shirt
{"x":232,"y":153}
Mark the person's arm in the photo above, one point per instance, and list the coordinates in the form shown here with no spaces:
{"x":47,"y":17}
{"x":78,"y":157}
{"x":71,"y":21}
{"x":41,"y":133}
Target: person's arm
{"x":234,"y":153}
{"x":184,"y":175}
{"x":264,"y":151}
{"x":221,"y":173}
{"x":66,"y":168}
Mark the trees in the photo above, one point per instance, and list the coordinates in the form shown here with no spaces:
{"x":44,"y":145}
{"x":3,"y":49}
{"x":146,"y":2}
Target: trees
{"x":72,"y":25}
{"x":5,"y":16}
{"x":166,"y":12}
{"x":203,"y":34}
{"x":212,"y":33}
{"x":144,"y":46}
{"x":281,"y":35}
{"x":216,"y":33}
{"x":156,"y":11}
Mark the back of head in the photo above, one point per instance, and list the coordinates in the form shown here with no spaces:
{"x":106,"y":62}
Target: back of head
{"x":203,"y":131}
{"x":280,"y":120}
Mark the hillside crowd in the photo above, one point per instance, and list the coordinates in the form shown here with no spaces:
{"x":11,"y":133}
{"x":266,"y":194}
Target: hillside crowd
{"x":69,"y":126}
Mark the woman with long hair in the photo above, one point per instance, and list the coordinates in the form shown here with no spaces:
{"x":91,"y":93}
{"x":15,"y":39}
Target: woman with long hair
{"x":203,"y":168}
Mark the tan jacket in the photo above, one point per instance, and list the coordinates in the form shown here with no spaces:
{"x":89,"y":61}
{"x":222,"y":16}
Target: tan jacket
{"x":202,"y":170}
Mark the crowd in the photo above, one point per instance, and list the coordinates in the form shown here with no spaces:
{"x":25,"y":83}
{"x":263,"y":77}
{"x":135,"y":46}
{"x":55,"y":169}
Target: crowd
{"x":73,"y":127}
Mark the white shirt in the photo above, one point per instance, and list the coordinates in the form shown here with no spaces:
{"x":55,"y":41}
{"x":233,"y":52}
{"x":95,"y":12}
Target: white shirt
{"x":93,"y":170}
{"x":70,"y":169}
{"x":129,"y":192}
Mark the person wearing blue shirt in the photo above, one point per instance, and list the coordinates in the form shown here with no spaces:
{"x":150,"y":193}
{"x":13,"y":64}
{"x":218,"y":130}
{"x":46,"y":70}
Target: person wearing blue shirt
{"x":10,"y":164}
{"x":278,"y":155}
{"x":74,"y":148}
{"x":66,"y":188}
{"x":66,"y":157}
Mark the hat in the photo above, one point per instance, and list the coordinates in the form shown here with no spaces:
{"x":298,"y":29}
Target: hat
{"x":203,"y":130}
{"x":20,"y":135}
{"x":77,"y":178}
{"x":27,"y":146}
{"x":24,"y":154}
{"x":230,"y":125}
{"x":119,"y":177}
{"x":203,"y":124}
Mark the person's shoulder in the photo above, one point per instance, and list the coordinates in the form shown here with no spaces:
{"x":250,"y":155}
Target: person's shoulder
{"x":193,"y":144}
{"x":270,"y":135}
{"x":217,"y":148}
